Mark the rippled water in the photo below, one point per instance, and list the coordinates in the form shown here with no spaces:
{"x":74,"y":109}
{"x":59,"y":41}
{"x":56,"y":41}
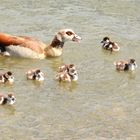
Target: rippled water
{"x":103,"y":104}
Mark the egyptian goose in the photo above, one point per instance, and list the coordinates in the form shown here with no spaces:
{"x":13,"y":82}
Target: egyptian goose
{"x":9,"y":99}
{"x":7,"y":77}
{"x":109,"y":45}
{"x":35,"y":74}
{"x":67,"y":73}
{"x":28,"y":47}
{"x":126,"y":65}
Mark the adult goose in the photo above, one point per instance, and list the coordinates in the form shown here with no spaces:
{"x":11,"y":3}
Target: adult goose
{"x":28,"y":47}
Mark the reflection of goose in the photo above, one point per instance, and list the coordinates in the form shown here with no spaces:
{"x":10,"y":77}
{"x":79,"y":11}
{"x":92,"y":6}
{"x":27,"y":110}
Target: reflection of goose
{"x":35,"y":74}
{"x":9,"y":99}
{"x":31,"y":48}
{"x":7,"y":77}
{"x":108,"y":45}
{"x":126,"y":65}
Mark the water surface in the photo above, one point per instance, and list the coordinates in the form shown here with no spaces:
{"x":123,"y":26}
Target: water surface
{"x":103,"y":104}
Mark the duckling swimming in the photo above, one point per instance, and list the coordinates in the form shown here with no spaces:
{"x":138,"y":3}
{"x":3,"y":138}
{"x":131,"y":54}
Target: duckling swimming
{"x":109,"y":45}
{"x":9,"y":99}
{"x":35,"y":74}
{"x":125,"y":65}
{"x":67,"y":73}
{"x":7,"y":77}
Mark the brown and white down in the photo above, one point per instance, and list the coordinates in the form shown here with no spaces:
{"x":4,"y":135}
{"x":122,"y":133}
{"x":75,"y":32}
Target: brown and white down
{"x":7,"y":77}
{"x":67,"y":73}
{"x":7,"y":99}
{"x":109,"y":45}
{"x":35,"y":74}
{"x":123,"y":65}
{"x":29,"y":47}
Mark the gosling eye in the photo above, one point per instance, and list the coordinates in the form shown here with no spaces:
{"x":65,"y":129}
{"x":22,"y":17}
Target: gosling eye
{"x":69,"y":33}
{"x":38,"y":71}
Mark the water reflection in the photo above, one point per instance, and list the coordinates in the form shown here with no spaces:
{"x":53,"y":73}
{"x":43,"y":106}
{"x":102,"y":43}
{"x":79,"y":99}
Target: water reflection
{"x":110,"y":108}
{"x":7,"y":110}
{"x":130,"y":74}
{"x":55,"y":63}
{"x":70,"y":86}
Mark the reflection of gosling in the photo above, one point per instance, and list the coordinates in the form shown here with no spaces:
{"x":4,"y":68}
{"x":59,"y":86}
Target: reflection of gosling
{"x":109,"y":45}
{"x":35,"y":74}
{"x":7,"y":77}
{"x":67,"y":73}
{"x":126,"y":65}
{"x":9,"y":99}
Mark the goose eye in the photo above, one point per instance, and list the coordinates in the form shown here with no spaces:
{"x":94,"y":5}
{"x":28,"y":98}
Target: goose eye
{"x":69,"y":33}
{"x":9,"y":73}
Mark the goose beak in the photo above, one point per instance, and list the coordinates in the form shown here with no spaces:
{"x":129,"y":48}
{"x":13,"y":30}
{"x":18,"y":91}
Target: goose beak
{"x":76,"y":38}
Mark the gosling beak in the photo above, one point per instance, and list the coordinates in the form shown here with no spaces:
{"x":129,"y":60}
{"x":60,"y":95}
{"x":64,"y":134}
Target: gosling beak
{"x":102,"y":41}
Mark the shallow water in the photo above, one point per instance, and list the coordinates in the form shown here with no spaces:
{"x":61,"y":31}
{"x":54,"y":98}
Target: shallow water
{"x":104,"y":104}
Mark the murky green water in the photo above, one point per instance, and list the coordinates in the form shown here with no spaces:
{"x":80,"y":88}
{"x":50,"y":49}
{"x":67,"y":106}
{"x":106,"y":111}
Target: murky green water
{"x":103,"y":104}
